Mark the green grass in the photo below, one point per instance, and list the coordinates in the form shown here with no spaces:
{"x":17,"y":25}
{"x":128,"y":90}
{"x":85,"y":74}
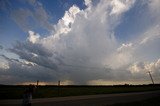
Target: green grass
{"x":16,"y":92}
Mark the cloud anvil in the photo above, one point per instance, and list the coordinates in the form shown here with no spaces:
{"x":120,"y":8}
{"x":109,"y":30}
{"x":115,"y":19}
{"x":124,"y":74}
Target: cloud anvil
{"x":85,"y":42}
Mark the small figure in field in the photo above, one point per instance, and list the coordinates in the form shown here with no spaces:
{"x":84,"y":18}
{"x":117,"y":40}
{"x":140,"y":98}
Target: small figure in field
{"x":27,"y":96}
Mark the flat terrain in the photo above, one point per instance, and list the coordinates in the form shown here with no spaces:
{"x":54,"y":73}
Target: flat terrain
{"x":119,"y":99}
{"x":16,"y":92}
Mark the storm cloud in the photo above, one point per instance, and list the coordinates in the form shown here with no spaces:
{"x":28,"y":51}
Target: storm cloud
{"x":82,"y":48}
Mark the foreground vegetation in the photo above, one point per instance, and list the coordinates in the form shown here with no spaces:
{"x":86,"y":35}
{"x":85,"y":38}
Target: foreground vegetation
{"x":16,"y":92}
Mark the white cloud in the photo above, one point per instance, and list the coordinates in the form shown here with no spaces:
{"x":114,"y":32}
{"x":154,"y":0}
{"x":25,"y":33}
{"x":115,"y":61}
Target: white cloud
{"x":120,"y":6}
{"x":154,"y":7}
{"x":151,"y":35}
{"x":146,"y":45}
{"x":138,"y":67}
{"x":64,"y":24}
{"x":142,"y":68}
{"x":28,"y":63}
{"x":125,"y":47}
{"x":88,"y":2}
{"x":3,"y":64}
{"x":33,"y":37}
{"x":70,"y":15}
{"x":84,"y":39}
{"x":141,"y":49}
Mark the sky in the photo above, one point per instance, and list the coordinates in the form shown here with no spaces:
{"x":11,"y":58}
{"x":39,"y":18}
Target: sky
{"x":81,"y":42}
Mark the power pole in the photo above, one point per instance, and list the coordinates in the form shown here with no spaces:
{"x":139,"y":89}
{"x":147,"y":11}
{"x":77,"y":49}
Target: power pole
{"x":151,"y":77}
{"x":37,"y":82}
{"x":59,"y":83}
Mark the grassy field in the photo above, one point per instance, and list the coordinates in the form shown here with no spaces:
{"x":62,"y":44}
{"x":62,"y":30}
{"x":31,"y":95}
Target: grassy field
{"x":16,"y":92}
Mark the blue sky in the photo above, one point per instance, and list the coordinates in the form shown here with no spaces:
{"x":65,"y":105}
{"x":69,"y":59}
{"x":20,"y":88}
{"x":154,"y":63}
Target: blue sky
{"x":56,"y":9}
{"x":9,"y":28}
{"x":61,"y":36}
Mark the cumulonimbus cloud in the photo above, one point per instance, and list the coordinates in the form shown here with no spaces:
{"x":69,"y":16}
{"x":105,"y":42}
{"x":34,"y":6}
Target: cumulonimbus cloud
{"x":82,"y":47}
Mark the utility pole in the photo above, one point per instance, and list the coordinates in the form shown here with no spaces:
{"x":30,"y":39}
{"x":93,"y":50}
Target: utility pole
{"x":37,"y":82}
{"x":59,"y":83}
{"x":151,"y":77}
